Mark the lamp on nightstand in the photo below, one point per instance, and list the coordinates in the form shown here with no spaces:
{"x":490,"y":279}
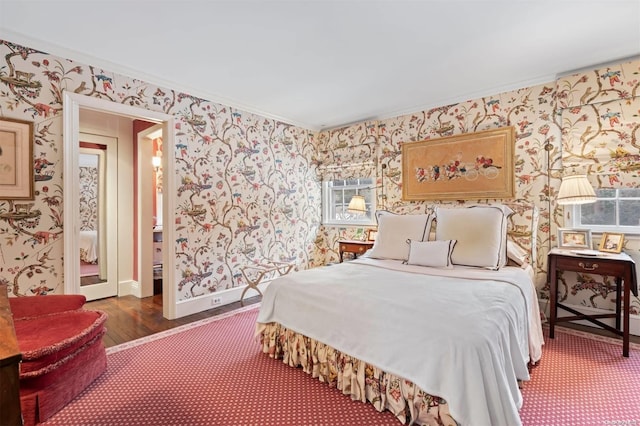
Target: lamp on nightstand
{"x":357,"y":205}
{"x":576,"y":189}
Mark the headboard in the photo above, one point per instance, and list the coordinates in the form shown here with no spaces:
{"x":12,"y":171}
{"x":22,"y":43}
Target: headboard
{"x":522,"y":230}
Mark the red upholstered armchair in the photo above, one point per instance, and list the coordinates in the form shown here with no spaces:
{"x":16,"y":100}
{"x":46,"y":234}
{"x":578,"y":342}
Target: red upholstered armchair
{"x":62,"y":351}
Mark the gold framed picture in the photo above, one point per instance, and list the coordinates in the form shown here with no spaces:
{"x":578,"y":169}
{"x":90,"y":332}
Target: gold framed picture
{"x":611,"y":242}
{"x":16,"y":159}
{"x":574,"y":238}
{"x":468,"y":166}
{"x":372,"y":234}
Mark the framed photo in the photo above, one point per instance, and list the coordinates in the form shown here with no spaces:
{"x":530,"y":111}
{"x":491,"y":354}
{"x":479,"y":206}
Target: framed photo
{"x":372,"y":234}
{"x":16,"y":159}
{"x":469,"y":166}
{"x":611,"y":242}
{"x":574,"y":238}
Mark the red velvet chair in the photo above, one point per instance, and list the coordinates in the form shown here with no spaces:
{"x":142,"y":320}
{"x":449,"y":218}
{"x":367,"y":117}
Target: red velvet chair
{"x":62,"y":351}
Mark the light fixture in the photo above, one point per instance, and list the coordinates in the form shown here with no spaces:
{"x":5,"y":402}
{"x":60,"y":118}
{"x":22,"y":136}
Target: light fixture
{"x":357,"y":205}
{"x":157,"y":162}
{"x":576,"y":189}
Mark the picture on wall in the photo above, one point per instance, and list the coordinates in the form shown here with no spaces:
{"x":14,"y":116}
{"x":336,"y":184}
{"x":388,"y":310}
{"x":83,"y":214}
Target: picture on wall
{"x":16,"y":159}
{"x":469,"y":166}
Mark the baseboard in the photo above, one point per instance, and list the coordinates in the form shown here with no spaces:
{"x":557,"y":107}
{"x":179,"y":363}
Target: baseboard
{"x":129,"y":287}
{"x":214,"y":300}
{"x":634,"y":320}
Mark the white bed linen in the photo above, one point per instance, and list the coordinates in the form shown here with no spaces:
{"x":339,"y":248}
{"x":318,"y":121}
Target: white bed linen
{"x":89,"y":246}
{"x":466,"y":341}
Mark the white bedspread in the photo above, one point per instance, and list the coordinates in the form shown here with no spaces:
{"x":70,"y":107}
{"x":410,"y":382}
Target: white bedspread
{"x":467,"y":341}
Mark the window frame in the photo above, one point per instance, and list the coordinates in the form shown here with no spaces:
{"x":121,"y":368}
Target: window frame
{"x":576,"y":215}
{"x":328,"y":202}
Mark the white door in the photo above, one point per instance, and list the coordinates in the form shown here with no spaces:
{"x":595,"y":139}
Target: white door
{"x":98,"y":225}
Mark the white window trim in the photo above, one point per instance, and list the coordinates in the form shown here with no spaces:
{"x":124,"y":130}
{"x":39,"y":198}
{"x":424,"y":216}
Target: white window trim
{"x":326,"y":207}
{"x":574,"y":213}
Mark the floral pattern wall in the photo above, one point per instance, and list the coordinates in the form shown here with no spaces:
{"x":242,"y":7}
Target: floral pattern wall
{"x":88,"y":198}
{"x":246,"y":185}
{"x":529,"y":110}
{"x":249,"y":187}
{"x":608,"y":123}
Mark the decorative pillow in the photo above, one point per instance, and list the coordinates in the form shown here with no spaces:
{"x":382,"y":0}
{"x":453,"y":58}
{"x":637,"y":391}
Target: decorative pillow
{"x":393,"y":232}
{"x":480,"y":231}
{"x":436,"y":254}
{"x":516,"y":254}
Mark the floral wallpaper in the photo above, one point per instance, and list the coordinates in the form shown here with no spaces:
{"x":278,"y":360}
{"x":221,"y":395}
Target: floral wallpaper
{"x":247,"y":186}
{"x":529,"y":110}
{"x":553,"y":131}
{"x":600,"y":126}
{"x":88,"y":198}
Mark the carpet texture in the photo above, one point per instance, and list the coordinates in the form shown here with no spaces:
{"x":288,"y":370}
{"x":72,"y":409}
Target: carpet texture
{"x":212,"y":373}
{"x":583,"y":379}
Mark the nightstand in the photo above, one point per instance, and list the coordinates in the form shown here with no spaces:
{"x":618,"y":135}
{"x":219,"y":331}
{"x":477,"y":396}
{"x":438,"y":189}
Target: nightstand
{"x":620,"y":266}
{"x":353,"y":246}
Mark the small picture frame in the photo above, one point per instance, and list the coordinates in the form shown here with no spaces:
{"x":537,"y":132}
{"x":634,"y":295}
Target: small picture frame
{"x":16,"y":159}
{"x":359,"y":235}
{"x":574,"y":238}
{"x":611,"y":242}
{"x":372,"y":234}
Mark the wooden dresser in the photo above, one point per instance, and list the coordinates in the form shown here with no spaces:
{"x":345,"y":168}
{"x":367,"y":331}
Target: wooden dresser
{"x":9,"y":365}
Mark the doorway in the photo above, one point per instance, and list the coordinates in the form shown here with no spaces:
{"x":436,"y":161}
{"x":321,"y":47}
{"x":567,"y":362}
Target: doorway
{"x":73,"y":104}
{"x":149,"y":265}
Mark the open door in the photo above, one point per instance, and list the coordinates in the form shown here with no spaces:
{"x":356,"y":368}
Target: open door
{"x":98,"y":177}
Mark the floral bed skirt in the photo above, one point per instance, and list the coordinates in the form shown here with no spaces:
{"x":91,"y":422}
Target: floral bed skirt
{"x":362,"y":381}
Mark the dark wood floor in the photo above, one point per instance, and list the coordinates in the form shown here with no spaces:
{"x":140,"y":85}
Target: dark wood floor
{"x":131,"y":318}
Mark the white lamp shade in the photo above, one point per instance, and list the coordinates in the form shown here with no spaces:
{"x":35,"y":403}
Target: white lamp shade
{"x":357,"y":205}
{"x":576,"y":189}
{"x":156,"y":161}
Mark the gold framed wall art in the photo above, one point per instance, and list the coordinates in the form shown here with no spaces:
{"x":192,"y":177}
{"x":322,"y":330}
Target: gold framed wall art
{"x":16,"y":159}
{"x":468,"y":166}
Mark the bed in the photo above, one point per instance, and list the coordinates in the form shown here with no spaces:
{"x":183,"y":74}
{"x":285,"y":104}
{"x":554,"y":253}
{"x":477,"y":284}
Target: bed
{"x":89,"y":246}
{"x":432,"y":324}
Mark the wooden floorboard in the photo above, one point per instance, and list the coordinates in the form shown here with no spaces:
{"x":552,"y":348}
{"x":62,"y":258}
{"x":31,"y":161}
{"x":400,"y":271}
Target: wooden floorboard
{"x":130,"y":318}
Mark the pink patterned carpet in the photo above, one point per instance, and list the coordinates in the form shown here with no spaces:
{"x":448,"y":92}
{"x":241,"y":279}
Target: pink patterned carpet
{"x":583,"y":379}
{"x":212,"y":373}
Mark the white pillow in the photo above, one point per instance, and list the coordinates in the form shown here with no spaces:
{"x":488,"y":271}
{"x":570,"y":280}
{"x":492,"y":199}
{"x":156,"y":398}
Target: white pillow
{"x":516,"y":253}
{"x":480,"y":231}
{"x":436,"y":254}
{"x":393,"y":232}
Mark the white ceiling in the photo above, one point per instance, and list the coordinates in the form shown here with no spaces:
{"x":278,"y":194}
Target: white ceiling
{"x":324,"y":64}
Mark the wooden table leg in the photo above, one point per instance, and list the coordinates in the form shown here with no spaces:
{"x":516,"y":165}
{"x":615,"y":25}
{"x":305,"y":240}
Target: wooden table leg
{"x":619,"y":285}
{"x":626,"y":281}
{"x":553,"y":295}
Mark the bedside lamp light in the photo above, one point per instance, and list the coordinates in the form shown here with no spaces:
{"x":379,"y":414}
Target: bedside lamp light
{"x":576,"y":189}
{"x":157,"y":162}
{"x":357,"y":205}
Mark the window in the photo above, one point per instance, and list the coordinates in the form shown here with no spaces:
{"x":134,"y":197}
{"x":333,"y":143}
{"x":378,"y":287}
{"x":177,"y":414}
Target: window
{"x":617,"y":210}
{"x":336,"y":195}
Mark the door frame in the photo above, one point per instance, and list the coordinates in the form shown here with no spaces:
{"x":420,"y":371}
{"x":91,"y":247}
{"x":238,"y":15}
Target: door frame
{"x":72,"y":104}
{"x":145,"y":209}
